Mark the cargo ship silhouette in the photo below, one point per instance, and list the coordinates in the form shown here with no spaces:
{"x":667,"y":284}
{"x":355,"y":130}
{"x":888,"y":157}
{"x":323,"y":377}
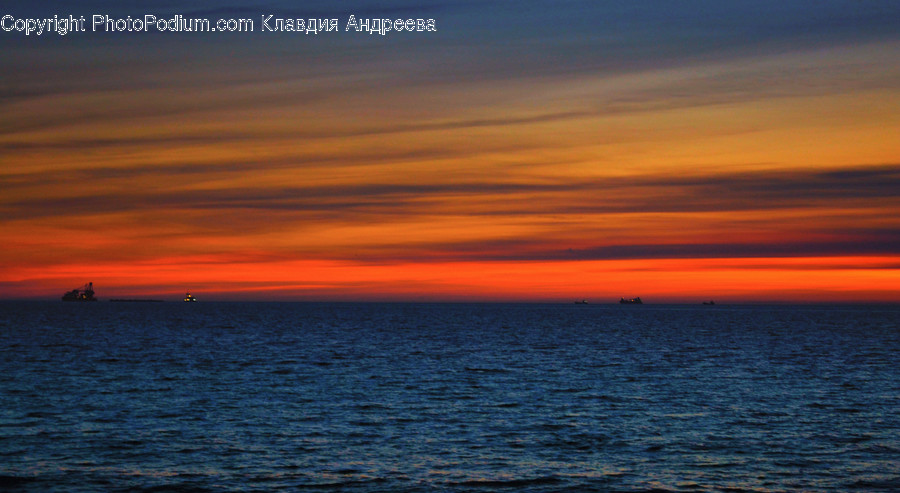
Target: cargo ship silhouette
{"x":84,"y":293}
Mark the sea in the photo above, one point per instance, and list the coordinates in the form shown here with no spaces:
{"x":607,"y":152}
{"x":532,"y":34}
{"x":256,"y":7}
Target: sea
{"x":391,"y":397}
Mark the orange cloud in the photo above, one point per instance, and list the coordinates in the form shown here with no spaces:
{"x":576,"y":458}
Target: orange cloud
{"x":765,"y":177}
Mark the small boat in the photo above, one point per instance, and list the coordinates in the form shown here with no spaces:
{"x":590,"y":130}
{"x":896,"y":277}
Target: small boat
{"x":188,"y":297}
{"x":710,"y":302}
{"x":582,"y":302}
{"x":84,"y":293}
{"x":631,"y":301}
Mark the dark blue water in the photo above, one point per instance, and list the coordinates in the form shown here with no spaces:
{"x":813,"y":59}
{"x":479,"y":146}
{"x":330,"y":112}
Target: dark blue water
{"x":388,"y":397}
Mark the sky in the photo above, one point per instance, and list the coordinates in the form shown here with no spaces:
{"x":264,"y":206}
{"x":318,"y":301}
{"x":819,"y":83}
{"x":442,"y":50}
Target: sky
{"x":524,"y":151}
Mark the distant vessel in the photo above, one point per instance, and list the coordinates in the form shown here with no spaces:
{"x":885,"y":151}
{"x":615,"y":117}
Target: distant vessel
{"x":710,"y":302}
{"x":188,"y":297}
{"x":582,"y":302}
{"x":631,"y":301}
{"x":84,"y":293}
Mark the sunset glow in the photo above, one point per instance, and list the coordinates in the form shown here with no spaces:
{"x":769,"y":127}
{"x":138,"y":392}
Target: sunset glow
{"x":489,"y":161}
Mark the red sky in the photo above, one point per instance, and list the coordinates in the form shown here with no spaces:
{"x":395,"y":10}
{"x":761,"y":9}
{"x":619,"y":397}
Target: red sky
{"x":442,"y":167}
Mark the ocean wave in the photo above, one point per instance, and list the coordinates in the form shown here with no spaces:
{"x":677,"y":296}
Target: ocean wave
{"x":508,"y":483}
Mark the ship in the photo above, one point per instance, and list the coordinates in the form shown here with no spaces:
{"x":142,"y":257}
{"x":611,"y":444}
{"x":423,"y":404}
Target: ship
{"x":84,"y":293}
{"x":582,"y":302}
{"x":631,"y":301}
{"x":710,"y":302}
{"x":188,"y":297}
